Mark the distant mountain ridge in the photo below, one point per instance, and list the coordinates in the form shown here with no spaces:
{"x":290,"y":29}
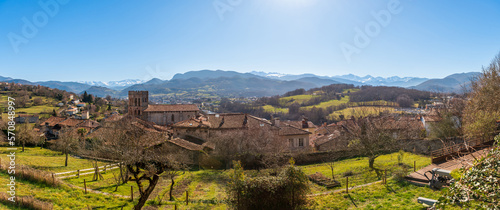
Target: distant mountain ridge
{"x":235,"y":84}
{"x":116,"y":85}
{"x":453,"y":83}
{"x":351,"y":79}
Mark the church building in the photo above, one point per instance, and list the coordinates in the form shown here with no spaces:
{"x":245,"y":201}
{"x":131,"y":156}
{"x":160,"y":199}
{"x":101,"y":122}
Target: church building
{"x":160,"y":114}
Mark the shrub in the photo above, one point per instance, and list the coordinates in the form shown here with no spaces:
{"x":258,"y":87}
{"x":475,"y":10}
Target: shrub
{"x":348,"y":173}
{"x":286,"y":191}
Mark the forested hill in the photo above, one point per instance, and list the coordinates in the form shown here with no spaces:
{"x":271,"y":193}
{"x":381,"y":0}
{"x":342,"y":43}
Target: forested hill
{"x":329,"y":103}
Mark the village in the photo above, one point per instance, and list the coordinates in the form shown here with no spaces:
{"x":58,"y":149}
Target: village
{"x":182,"y":137}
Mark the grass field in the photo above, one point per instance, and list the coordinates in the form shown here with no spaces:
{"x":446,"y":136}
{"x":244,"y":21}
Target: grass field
{"x":394,"y":195}
{"x":47,"y":160}
{"x":272,"y":109}
{"x":64,"y":197}
{"x":352,"y":90}
{"x":326,"y":104}
{"x":287,"y":101}
{"x":361,"y":174}
{"x":206,"y":187}
{"x":361,"y":111}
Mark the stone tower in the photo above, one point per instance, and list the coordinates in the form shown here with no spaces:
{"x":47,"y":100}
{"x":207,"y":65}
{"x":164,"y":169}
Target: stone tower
{"x":138,"y":102}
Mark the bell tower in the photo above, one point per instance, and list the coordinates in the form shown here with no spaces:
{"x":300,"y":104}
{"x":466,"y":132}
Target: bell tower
{"x":138,"y":102}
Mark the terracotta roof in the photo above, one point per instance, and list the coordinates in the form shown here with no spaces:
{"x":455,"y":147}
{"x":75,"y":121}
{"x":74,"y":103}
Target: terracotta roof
{"x":89,"y":124}
{"x":52,"y":121}
{"x":171,"y":107}
{"x":327,"y":138}
{"x":298,"y":124}
{"x":186,"y":144}
{"x":286,"y":130}
{"x":70,"y":122}
{"x":231,"y":121}
{"x":193,"y":123}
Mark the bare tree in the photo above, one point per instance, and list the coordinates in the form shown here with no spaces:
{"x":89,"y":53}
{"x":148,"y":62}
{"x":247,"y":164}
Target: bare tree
{"x":370,"y":137}
{"x":143,"y":151}
{"x":67,"y":142}
{"x":262,"y":142}
{"x":26,"y":135}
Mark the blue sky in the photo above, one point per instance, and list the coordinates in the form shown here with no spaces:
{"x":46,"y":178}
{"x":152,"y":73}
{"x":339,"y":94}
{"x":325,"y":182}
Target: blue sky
{"x":114,"y":40}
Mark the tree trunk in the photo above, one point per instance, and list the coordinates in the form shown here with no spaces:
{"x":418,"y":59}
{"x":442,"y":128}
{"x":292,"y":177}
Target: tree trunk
{"x":66,"y":162}
{"x":171,"y":188}
{"x":371,"y":161}
{"x":23,"y":146}
{"x":145,"y":195}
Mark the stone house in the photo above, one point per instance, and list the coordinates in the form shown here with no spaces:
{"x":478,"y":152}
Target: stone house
{"x":233,"y":127}
{"x":161,"y":114}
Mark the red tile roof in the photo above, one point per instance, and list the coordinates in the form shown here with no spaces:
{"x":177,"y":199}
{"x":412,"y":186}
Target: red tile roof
{"x":172,"y":108}
{"x":186,"y":144}
{"x":286,"y":130}
{"x":52,"y":121}
{"x":70,"y":122}
{"x":89,"y":124}
{"x":193,"y":123}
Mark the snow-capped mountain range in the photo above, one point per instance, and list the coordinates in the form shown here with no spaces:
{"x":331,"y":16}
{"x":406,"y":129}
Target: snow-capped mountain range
{"x":350,"y":78}
{"x":114,"y":84}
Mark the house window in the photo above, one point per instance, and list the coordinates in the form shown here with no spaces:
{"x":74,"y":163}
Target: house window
{"x":290,"y":142}
{"x":301,"y":142}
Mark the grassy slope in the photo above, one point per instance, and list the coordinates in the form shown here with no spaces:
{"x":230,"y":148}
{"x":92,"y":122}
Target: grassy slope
{"x":326,"y":104}
{"x":63,"y":197}
{"x":287,"y":101}
{"x":395,"y":195}
{"x":272,"y":109}
{"x":48,"y":160}
{"x":206,"y":187}
{"x":360,"y":111}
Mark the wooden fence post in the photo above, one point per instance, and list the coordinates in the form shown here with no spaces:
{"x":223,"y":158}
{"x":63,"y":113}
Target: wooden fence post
{"x":414,"y":166}
{"x":78,"y":173}
{"x":104,"y":168}
{"x":132,"y":193}
{"x":347,"y":184}
{"x":385,"y":176}
{"x":53,"y":178}
{"x":85,"y":185}
{"x":187,"y":197}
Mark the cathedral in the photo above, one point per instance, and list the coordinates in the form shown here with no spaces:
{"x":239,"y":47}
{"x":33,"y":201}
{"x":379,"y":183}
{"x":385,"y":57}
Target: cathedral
{"x":160,"y":114}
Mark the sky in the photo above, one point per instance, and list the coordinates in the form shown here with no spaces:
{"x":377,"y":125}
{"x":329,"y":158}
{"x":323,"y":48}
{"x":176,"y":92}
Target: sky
{"x":93,"y":40}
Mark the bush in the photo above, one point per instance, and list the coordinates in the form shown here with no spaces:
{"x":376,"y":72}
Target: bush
{"x":286,"y":191}
{"x":348,"y":173}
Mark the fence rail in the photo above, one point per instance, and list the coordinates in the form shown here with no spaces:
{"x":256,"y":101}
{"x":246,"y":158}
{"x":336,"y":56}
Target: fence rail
{"x":79,"y":173}
{"x":443,"y":153}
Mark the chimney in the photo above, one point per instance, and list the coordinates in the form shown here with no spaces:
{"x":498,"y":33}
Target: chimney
{"x":304,"y":123}
{"x":276,"y":122}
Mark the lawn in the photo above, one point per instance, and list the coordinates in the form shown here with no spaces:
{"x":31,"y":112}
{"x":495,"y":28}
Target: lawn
{"x":394,"y":195}
{"x":358,"y":167}
{"x":361,"y":111}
